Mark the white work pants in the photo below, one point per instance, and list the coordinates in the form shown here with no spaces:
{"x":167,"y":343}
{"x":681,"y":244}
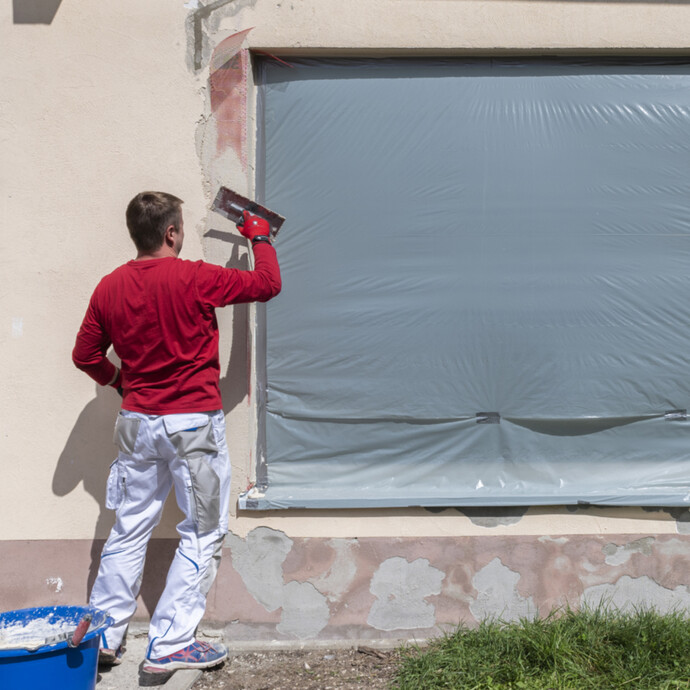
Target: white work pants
{"x":187,"y":452}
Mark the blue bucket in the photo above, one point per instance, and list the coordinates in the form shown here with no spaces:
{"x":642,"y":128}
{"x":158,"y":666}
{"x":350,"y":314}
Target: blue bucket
{"x":31,"y":659}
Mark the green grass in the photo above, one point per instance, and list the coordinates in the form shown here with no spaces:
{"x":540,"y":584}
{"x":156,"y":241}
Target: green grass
{"x":593,"y":649}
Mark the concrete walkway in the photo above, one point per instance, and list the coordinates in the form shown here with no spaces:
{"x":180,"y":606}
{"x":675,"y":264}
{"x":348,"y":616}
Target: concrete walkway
{"x":128,"y":676}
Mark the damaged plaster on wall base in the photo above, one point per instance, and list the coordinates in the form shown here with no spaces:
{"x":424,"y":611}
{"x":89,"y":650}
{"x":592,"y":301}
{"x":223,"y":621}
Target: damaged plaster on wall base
{"x":401,"y":589}
{"x":632,"y":594}
{"x":380,"y":587}
{"x":618,"y":555}
{"x":259,"y":561}
{"x":335,"y":582}
{"x":498,"y":596}
{"x":305,"y":611}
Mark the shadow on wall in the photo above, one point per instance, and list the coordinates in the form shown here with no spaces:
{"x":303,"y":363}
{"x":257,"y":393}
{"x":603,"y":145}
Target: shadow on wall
{"x":89,"y":451}
{"x":34,"y":11}
{"x":86,"y":458}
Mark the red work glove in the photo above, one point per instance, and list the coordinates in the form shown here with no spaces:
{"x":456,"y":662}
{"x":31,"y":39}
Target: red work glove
{"x":253,"y":226}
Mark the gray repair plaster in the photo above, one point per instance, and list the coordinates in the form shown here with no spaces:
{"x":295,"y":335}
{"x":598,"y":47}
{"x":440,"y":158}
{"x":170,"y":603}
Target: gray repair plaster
{"x":630,"y":594}
{"x":498,"y":597}
{"x":203,"y":21}
{"x":259,"y":561}
{"x":400,"y":588}
{"x":305,"y":611}
{"x":335,"y":582}
{"x":618,"y":555}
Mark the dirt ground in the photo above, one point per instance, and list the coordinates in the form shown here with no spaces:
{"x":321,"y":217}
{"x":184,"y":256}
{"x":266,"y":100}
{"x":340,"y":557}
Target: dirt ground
{"x":339,"y":669}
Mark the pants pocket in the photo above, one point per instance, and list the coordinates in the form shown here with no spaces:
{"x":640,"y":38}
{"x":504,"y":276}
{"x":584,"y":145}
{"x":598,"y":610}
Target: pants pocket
{"x":194,"y":441}
{"x":116,"y":489}
{"x":205,"y":493}
{"x":126,"y":431}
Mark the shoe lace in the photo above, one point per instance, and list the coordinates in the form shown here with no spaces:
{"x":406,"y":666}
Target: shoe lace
{"x":203,"y":646}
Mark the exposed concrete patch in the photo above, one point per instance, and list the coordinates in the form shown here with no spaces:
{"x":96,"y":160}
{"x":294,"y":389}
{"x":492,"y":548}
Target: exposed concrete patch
{"x":259,"y":561}
{"x":205,"y":20}
{"x":197,"y":36}
{"x":617,"y":555}
{"x":494,"y":517}
{"x":305,"y":611}
{"x":629,"y":594}
{"x":400,"y":588}
{"x":336,"y":581}
{"x":498,"y":595}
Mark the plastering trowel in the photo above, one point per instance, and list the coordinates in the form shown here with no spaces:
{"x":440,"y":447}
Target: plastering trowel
{"x":232,"y":205}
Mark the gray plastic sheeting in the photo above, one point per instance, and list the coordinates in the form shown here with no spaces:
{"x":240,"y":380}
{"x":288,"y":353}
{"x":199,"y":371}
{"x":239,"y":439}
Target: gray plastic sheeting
{"x":486,"y":278}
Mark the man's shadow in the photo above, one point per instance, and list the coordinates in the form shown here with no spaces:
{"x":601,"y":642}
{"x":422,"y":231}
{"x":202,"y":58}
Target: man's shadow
{"x":89,"y":451}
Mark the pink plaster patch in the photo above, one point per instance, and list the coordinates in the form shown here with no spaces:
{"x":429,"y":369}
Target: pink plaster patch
{"x":228,"y":80}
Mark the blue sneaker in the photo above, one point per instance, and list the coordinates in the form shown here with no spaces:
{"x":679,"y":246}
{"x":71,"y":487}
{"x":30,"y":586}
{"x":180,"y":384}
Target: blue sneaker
{"x":196,"y":655}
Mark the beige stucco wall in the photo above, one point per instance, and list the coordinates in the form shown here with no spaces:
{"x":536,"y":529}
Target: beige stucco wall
{"x":113,"y":97}
{"x":368,"y":26}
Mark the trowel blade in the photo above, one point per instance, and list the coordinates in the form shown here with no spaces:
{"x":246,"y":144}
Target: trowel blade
{"x":231,"y":205}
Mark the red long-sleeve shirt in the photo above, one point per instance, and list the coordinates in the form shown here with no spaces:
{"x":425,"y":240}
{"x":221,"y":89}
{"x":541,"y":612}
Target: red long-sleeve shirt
{"x":159,"y":315}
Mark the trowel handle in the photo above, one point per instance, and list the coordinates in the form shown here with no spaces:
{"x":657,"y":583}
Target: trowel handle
{"x":78,"y":634}
{"x":237,"y":210}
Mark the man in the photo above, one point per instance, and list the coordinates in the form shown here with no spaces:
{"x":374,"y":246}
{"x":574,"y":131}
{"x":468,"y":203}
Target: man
{"x":158,"y":312}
